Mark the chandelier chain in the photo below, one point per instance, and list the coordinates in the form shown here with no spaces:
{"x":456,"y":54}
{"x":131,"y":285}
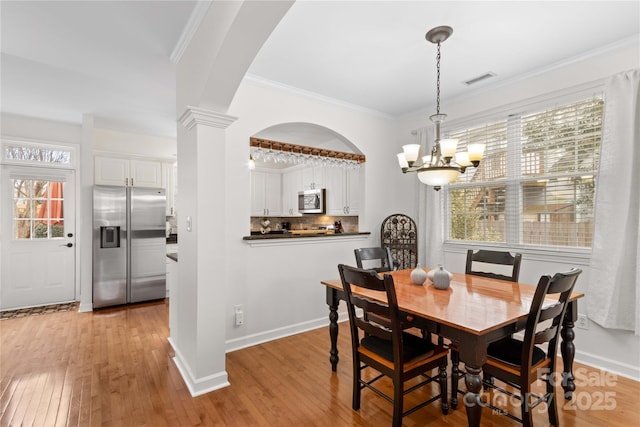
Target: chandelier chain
{"x":438,"y":81}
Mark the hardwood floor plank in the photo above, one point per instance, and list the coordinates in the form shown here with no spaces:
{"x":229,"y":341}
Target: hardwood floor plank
{"x":114,"y":367}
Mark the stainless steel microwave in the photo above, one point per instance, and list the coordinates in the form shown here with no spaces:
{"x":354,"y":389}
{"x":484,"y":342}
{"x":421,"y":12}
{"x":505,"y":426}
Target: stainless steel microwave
{"x":312,"y":201}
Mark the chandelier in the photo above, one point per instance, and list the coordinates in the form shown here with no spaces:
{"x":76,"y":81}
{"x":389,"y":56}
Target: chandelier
{"x":443,"y":165}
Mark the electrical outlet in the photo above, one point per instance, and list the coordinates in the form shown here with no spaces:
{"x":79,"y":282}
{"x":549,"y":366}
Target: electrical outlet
{"x":583,"y":321}
{"x":239,"y":315}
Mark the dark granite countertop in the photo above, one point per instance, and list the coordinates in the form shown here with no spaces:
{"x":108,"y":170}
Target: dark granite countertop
{"x":273,"y":236}
{"x":173,"y":238}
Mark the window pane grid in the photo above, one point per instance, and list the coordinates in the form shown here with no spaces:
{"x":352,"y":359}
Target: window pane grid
{"x":550,"y":170}
{"x":38,"y":209}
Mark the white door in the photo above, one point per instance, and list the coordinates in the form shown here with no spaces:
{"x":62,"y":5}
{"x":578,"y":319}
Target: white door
{"x":37,"y":233}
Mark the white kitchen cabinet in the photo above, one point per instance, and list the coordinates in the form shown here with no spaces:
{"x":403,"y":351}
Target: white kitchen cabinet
{"x":313,"y":178}
{"x":266,"y":193}
{"x":128,"y":172}
{"x":343,"y":191}
{"x":291,"y":185}
{"x":169,"y":183}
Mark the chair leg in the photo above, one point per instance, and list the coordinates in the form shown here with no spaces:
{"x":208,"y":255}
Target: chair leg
{"x":398,"y":394}
{"x":444,"y":405}
{"x":356,"y":387}
{"x":455,"y":377}
{"x":552,"y":406}
{"x":527,"y":412}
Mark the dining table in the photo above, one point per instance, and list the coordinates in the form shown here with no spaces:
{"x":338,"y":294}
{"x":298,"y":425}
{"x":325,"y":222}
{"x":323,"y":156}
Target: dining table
{"x":471,"y":313}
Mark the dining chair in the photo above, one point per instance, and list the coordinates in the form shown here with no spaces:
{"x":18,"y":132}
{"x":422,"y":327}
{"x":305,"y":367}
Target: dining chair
{"x":494,"y":264}
{"x":519,"y":363}
{"x":381,"y":256}
{"x":486,"y":263}
{"x":380,"y":351}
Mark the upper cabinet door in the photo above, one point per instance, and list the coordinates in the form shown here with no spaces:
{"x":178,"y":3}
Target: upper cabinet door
{"x":127,"y":172}
{"x":146,"y":173}
{"x":313,"y":178}
{"x":111,"y":171}
{"x":343,"y":191}
{"x":266,"y":193}
{"x":291,"y":185}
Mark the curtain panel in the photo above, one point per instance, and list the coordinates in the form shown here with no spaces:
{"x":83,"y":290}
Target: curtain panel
{"x":613,"y":291}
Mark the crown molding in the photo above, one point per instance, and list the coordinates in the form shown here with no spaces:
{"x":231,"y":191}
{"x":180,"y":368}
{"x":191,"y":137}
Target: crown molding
{"x":199,"y":116}
{"x":197,"y":15}
{"x":261,"y":81}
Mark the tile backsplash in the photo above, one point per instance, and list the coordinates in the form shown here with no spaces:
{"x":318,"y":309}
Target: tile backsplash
{"x":307,"y":222}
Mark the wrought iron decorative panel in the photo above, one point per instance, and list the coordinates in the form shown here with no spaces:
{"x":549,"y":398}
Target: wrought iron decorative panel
{"x":400,"y":235}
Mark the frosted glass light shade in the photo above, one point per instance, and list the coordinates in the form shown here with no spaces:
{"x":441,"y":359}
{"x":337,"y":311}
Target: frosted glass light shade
{"x":411,"y":152}
{"x":426,"y":160}
{"x":402,"y":160}
{"x":438,"y":176}
{"x":463,"y":159}
{"x":476,"y":151}
{"x":448,"y":147}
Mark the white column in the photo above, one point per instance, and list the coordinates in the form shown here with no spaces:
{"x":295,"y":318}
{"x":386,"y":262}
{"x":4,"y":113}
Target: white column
{"x":198,"y":329}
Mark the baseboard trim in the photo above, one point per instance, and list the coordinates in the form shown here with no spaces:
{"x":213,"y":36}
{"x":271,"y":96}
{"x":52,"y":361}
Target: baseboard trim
{"x":274,"y":334}
{"x":608,"y":365}
{"x":85,"y":307}
{"x":198,"y":386}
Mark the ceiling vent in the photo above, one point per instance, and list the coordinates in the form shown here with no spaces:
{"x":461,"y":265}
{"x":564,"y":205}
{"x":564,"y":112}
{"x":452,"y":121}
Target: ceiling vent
{"x":479,"y":78}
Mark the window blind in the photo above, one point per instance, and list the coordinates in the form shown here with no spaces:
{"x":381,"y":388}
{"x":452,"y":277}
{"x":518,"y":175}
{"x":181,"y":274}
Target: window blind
{"x":536,"y":182}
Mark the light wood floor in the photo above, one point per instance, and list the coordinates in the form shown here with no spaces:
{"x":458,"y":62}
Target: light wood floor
{"x":114,"y":368}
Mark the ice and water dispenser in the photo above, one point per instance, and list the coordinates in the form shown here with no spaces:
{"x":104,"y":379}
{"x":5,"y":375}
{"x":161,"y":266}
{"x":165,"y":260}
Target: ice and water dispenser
{"x":110,"y":236}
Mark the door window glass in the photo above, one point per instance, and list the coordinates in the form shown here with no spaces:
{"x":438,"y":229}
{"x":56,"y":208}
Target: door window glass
{"x":38,"y":209}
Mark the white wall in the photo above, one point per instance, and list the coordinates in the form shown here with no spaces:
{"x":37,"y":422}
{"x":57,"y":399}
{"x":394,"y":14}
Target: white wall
{"x":34,"y":129}
{"x":279,"y":285}
{"x":135,"y":144}
{"x":614,"y":350}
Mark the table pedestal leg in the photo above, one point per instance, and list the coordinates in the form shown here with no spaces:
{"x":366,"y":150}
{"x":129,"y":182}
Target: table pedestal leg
{"x":333,"y":334}
{"x":568,"y":350}
{"x":472,"y":400}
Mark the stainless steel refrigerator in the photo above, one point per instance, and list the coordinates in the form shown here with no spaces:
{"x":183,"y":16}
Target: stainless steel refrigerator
{"x":129,"y":245}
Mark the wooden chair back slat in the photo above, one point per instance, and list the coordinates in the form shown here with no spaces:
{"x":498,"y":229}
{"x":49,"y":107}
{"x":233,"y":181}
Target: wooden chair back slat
{"x":498,"y":258}
{"x":382,"y":255}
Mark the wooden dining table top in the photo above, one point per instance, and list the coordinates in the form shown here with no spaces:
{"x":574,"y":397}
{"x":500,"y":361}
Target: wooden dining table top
{"x":475,"y":304}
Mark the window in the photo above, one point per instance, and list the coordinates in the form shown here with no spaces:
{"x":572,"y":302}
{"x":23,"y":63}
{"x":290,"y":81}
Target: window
{"x":536,"y":183}
{"x":37,"y":209}
{"x":38,"y":154}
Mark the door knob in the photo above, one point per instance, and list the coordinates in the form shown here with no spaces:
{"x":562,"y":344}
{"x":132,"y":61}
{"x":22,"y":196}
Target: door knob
{"x":68,"y":245}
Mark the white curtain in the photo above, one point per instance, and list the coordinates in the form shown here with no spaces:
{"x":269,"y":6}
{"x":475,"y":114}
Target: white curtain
{"x":430,"y":224}
{"x":613,"y":293}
